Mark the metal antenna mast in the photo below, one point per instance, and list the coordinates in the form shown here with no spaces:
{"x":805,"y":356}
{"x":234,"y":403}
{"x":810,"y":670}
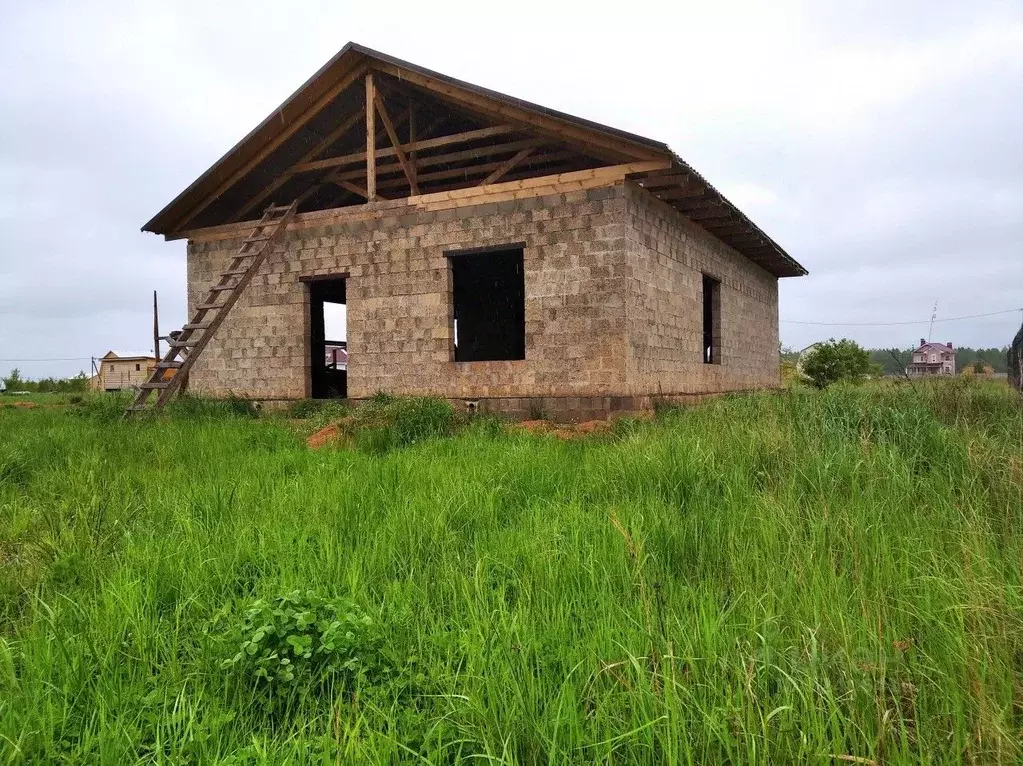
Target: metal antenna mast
{"x":934,"y":315}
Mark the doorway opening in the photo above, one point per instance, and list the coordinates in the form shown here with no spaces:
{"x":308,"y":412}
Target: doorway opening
{"x":328,"y":339}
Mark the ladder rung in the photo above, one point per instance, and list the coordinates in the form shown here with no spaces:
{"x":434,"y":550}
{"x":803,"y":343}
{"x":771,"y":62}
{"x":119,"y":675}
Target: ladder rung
{"x":165,"y":384}
{"x":182,"y":343}
{"x":276,"y":208}
{"x":224,"y":287}
{"x":235,"y":272}
{"x":209,"y":306}
{"x":196,"y":326}
{"x":260,"y":238}
{"x":168,"y":365}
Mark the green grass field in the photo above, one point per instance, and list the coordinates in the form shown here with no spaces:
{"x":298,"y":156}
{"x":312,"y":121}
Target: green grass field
{"x":796,"y":577}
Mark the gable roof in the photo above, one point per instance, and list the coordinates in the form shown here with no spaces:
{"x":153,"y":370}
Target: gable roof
{"x":313,"y":119}
{"x":930,"y":346}
{"x":125,"y":356}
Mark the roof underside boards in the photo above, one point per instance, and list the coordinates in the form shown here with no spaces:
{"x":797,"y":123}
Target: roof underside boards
{"x":450,"y":134}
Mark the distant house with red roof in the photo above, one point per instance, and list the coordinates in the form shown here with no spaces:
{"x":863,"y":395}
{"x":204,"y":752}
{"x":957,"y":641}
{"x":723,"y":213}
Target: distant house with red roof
{"x":336,"y":356}
{"x":932,"y":359}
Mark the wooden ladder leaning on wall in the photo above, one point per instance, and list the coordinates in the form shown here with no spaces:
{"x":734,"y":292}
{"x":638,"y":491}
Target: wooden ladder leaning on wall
{"x":183,"y":351}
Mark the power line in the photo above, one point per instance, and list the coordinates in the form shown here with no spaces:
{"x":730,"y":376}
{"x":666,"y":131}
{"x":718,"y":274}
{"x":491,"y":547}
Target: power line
{"x":65,"y":359}
{"x":893,"y":324}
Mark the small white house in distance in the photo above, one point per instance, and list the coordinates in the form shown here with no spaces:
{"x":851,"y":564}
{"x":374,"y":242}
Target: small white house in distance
{"x":120,"y":370}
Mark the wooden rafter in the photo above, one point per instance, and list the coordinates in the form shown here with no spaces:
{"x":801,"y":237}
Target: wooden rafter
{"x":352,"y":175}
{"x":361,"y":191}
{"x":469,"y":172}
{"x":371,"y":141}
{"x":592,"y":141}
{"x":320,"y":147}
{"x":270,"y":146}
{"x":685,"y":194}
{"x":403,"y":160}
{"x":508,"y":164}
{"x":701,"y":214}
{"x":656,"y":180}
{"x":412,"y":140}
{"x":429,"y":143}
{"x":726,"y":229}
{"x":442,"y":159}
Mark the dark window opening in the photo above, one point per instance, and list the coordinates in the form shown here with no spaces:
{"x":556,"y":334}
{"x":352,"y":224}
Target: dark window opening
{"x":111,"y":368}
{"x":711,"y":320}
{"x":489,"y":301}
{"x":328,"y":339}
{"x":138,"y":368}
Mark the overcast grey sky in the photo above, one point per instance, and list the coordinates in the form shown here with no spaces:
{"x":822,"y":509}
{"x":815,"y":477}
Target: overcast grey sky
{"x":880,"y":143}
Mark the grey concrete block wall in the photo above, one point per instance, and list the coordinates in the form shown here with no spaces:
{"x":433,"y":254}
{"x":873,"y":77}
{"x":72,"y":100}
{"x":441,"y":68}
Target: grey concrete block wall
{"x":668,"y":255}
{"x":612,"y":281}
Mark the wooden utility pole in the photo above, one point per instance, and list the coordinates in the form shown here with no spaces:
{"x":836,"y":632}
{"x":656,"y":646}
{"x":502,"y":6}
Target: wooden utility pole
{"x":156,"y":328}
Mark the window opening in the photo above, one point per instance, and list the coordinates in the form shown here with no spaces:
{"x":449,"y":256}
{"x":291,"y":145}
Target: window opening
{"x":489,"y":305}
{"x":711,"y":320}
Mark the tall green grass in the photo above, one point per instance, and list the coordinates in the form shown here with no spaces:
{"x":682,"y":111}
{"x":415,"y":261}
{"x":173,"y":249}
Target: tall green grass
{"x":772,"y":578}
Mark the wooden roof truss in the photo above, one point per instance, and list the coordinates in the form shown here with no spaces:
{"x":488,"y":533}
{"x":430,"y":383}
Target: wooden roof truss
{"x":369,"y":128}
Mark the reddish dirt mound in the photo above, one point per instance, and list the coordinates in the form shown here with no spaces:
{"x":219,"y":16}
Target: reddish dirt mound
{"x":323,"y":437}
{"x":565,"y":430}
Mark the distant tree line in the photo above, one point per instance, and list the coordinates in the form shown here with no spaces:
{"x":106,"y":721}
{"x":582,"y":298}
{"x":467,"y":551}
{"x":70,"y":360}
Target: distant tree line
{"x":14,"y":382}
{"x":893,"y":361}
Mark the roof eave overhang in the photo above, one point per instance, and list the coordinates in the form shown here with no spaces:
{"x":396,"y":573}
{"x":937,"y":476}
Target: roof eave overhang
{"x":728,"y":224}
{"x":292,"y":108}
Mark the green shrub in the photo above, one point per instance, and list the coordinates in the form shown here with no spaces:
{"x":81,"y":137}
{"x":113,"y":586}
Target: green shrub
{"x":836,"y":360}
{"x":421,"y":418}
{"x":304,"y":638}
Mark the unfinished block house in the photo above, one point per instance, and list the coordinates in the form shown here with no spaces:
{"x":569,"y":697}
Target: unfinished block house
{"x":484,"y":249}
